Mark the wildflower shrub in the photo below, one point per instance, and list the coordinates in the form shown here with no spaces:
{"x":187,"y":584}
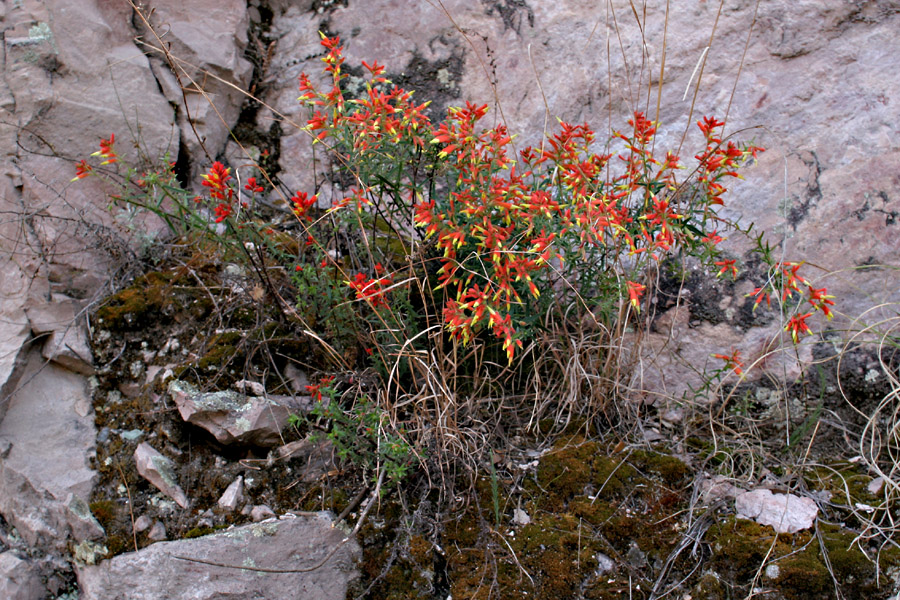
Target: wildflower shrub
{"x":448,"y":246}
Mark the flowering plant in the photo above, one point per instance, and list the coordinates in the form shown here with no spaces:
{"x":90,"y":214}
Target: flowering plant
{"x":499,"y":242}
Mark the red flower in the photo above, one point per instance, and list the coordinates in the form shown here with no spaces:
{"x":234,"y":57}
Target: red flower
{"x":223,"y":211}
{"x":251,"y":185}
{"x":216,"y":180}
{"x":106,"y":150}
{"x":797,"y":325}
{"x":727,"y":265}
{"x":316,"y":390}
{"x":302,"y":203}
{"x":82,"y":170}
{"x":819,"y":299}
{"x":760,"y":293}
{"x":635,"y":290}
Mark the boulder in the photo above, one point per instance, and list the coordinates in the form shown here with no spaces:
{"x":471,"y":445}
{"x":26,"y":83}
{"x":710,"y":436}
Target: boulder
{"x":165,"y":570}
{"x":160,"y":471}
{"x":231,"y":417}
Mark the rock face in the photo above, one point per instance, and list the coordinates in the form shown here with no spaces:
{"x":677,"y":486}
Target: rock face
{"x":157,"y":572}
{"x":814,"y":88}
{"x":46,"y":441}
{"x":231,"y":417}
{"x":19,"y":580}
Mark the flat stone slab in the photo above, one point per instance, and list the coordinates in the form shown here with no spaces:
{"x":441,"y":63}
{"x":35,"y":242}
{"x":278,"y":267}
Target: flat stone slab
{"x":292,"y":542}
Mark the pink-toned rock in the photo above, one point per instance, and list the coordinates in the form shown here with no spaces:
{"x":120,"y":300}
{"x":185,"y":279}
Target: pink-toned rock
{"x":61,"y":325}
{"x":233,"y":495}
{"x":46,"y":441}
{"x":19,"y":579}
{"x":208,"y":42}
{"x":160,"y":471}
{"x":288,"y":543}
{"x":786,"y":513}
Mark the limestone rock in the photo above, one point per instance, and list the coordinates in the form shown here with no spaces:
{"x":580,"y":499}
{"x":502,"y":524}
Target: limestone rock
{"x":155,"y":572}
{"x":786,"y":513}
{"x":19,"y":579}
{"x":160,"y":471}
{"x":230,"y":417}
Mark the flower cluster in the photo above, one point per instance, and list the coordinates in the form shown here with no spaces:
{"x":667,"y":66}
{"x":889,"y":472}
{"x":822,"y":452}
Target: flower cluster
{"x":371,"y":290}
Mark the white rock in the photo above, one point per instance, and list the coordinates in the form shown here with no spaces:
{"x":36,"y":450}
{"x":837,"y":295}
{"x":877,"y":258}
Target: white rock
{"x":875,"y":486}
{"x":160,"y":471}
{"x":520,"y":517}
{"x":786,"y":513}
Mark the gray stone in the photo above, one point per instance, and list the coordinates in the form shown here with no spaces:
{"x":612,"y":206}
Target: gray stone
{"x":44,"y":475}
{"x":261,"y":512}
{"x":233,"y":495}
{"x":157,"y":533}
{"x":142,"y":523}
{"x":160,"y":570}
{"x":230,"y":417}
{"x":160,"y":471}
{"x":19,"y":579}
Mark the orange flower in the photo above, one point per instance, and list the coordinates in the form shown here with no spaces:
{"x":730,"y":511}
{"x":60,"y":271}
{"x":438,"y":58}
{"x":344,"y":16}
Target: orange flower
{"x":732,"y":361}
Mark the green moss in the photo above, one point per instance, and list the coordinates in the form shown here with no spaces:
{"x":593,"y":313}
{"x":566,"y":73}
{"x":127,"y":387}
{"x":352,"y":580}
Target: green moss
{"x":802,"y":576}
{"x":739,"y":547}
{"x":672,"y":470}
